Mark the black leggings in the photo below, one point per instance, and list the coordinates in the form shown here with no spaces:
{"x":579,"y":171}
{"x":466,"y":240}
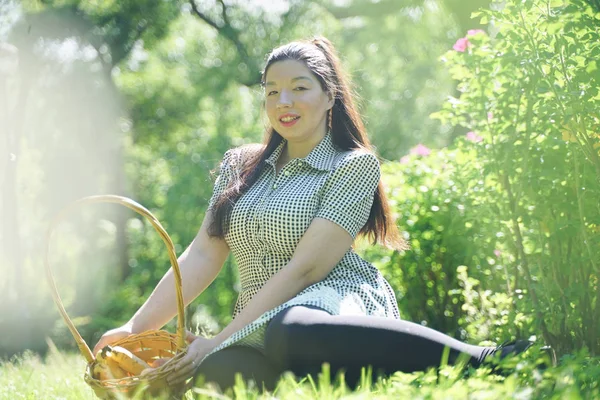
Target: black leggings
{"x":301,"y":338}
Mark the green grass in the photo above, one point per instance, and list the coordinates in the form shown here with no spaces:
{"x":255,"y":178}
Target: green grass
{"x":60,"y":376}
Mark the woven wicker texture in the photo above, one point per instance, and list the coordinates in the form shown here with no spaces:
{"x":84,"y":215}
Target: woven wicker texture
{"x":150,"y":345}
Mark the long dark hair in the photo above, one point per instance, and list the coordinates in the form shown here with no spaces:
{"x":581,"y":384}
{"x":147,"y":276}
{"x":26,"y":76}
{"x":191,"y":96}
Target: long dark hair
{"x":347,"y":133}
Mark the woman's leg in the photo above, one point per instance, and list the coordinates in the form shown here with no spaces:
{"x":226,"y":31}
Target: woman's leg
{"x":222,"y":366}
{"x":301,"y":338}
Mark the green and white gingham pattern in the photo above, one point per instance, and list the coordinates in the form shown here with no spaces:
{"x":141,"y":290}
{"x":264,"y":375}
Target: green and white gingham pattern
{"x":268,"y":221}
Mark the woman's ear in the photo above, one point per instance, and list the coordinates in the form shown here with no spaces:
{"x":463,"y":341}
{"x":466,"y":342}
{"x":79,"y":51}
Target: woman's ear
{"x":331,"y":101}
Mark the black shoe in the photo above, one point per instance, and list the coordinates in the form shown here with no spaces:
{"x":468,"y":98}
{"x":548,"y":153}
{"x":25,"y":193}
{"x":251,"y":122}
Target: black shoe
{"x":492,"y":356}
{"x":515,"y":347}
{"x":512,"y":348}
{"x":505,"y":349}
{"x":547,"y":357}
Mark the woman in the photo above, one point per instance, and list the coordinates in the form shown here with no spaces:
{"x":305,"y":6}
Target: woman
{"x":290,"y":211}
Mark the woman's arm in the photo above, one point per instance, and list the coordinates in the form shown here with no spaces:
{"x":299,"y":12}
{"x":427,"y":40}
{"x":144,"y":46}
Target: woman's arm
{"x":321,"y":248}
{"x":200,"y":264}
{"x":328,"y":237}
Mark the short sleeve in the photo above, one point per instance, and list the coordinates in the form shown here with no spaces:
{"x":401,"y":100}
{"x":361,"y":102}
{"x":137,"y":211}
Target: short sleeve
{"x":224,"y":177}
{"x":349,"y":192}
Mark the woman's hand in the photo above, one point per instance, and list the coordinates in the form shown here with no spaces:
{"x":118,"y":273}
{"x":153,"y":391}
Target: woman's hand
{"x":112,"y":336}
{"x":198,"y":348}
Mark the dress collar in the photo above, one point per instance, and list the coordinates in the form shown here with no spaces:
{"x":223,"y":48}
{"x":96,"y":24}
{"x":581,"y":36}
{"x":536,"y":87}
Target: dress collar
{"x":321,"y":157}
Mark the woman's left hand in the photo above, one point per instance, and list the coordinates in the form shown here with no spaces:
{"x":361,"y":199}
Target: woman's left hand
{"x":198,"y":348}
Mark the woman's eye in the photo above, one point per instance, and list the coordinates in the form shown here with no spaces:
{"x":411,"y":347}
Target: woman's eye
{"x":298,"y":88}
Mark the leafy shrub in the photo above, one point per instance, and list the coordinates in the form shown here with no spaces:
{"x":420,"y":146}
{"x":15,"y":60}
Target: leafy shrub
{"x":530,"y":97}
{"x":453,"y":237}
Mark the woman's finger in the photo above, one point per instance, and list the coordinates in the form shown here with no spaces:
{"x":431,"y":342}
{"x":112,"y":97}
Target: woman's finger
{"x":101,"y":344}
{"x":189,"y":337}
{"x":182,"y":367}
{"x":182,"y":374}
{"x":98,"y":346}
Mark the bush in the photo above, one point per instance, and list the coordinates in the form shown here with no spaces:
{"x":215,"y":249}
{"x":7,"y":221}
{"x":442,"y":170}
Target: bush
{"x":529,"y":96}
{"x":454,"y":278}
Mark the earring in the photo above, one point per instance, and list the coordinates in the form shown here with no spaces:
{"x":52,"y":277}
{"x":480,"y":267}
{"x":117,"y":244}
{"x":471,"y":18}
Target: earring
{"x":329,"y":123}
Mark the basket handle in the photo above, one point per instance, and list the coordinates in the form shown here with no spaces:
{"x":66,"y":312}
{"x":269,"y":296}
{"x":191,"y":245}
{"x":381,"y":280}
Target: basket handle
{"x":129,"y":203}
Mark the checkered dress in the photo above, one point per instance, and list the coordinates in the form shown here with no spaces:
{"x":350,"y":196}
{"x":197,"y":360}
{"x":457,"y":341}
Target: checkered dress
{"x":268,"y":221}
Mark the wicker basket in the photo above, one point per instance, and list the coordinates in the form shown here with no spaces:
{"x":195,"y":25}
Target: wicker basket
{"x":148,"y":345}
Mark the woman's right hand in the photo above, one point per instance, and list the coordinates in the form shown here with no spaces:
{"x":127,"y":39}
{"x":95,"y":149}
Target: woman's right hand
{"x":112,"y":336}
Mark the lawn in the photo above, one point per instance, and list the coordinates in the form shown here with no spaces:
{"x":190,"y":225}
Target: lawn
{"x":60,"y":376}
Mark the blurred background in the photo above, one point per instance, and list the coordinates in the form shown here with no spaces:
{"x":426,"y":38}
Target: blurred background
{"x":141,"y":98}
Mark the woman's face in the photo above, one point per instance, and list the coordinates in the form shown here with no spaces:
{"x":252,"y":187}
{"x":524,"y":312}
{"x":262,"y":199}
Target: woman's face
{"x":292,"y":90}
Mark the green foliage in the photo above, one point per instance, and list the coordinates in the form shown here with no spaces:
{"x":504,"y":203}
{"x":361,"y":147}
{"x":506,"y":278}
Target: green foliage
{"x":529,"y":97}
{"x":390,"y":59}
{"x":454,"y":278}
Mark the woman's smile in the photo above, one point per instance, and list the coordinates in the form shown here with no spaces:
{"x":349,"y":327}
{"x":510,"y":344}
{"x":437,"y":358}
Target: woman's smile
{"x":288,"y":120}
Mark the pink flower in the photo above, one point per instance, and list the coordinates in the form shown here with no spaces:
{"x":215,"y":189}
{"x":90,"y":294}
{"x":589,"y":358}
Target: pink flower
{"x":473,"y":137}
{"x":497,"y":253}
{"x":473,"y":32}
{"x":490,"y":115}
{"x":461,"y":44}
{"x":420,"y":150}
{"x":404,"y":160}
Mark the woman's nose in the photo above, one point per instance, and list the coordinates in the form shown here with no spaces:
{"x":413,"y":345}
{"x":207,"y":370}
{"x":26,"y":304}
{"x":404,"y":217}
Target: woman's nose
{"x":285,"y":99}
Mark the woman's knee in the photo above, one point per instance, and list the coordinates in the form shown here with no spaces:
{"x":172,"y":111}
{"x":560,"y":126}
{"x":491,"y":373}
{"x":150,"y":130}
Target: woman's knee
{"x":288,"y":333}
